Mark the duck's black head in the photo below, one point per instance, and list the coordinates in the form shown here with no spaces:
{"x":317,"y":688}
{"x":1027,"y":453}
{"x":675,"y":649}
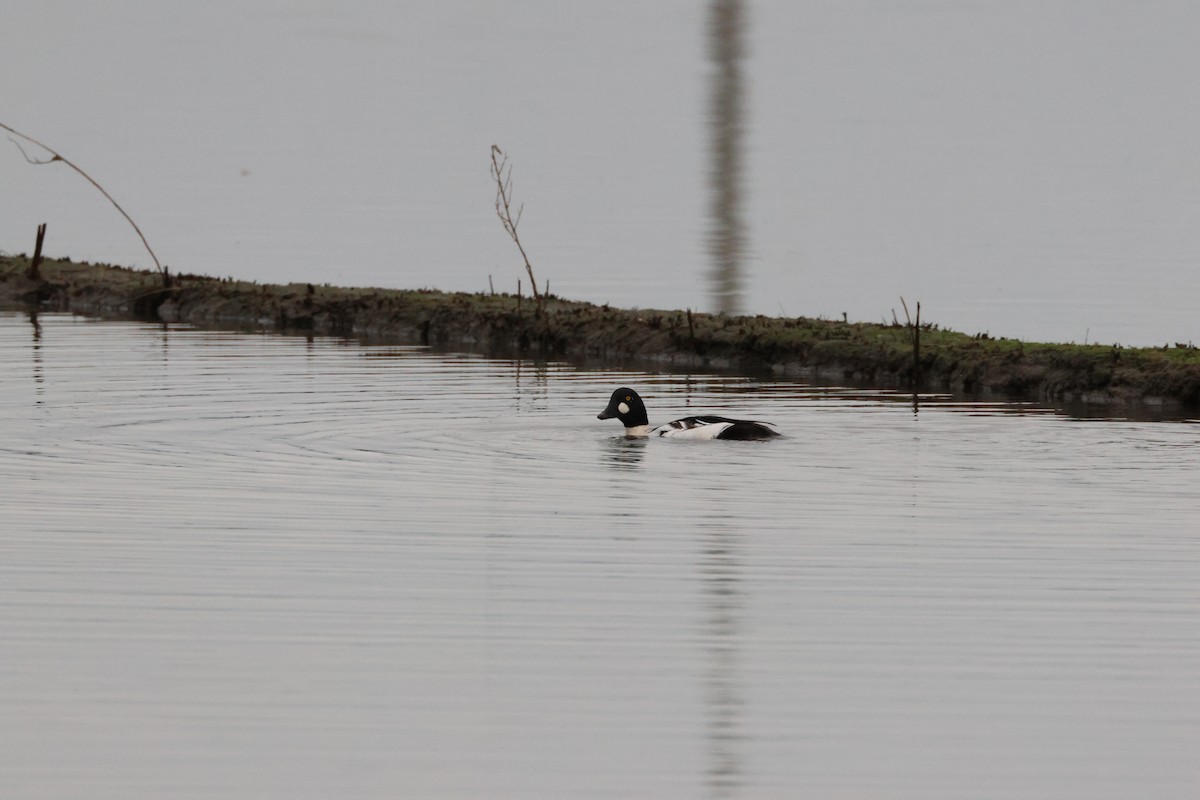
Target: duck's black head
{"x":626,"y":406}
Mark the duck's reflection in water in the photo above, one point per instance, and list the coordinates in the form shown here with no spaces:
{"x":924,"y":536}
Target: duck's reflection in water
{"x":624,"y":453}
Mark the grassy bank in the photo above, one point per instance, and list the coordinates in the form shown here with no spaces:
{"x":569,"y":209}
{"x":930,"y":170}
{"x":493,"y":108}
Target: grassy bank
{"x":807,"y":349}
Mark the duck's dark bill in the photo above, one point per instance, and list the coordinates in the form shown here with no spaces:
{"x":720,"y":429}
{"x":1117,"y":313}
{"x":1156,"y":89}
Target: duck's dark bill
{"x":607,"y":413}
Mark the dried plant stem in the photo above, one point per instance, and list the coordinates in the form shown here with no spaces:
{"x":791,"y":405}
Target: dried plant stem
{"x":58,"y":157}
{"x":502,"y":175}
{"x":915,"y":328}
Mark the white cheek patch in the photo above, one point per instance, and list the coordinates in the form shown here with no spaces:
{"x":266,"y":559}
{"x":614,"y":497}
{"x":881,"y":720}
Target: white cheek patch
{"x":623,"y":408}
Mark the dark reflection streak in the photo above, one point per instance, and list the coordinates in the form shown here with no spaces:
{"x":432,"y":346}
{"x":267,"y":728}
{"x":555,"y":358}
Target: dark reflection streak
{"x":718,"y":566}
{"x":534,"y":396}
{"x":39,"y":376}
{"x":166,"y":342}
{"x":727,"y":236}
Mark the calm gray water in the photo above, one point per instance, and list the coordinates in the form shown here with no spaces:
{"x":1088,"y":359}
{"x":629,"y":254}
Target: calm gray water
{"x":1022,"y":167}
{"x":240,"y":565}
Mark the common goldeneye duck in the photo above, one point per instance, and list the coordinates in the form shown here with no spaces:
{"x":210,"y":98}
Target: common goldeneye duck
{"x":626,"y":406}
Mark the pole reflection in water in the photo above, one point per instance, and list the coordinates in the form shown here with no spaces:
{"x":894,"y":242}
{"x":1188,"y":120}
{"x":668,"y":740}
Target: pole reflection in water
{"x":723,"y":701}
{"x":39,"y":377}
{"x":727,"y":235}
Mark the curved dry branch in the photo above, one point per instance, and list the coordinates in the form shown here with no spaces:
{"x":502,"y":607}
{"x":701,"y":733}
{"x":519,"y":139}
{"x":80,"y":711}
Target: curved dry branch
{"x":55,"y":156}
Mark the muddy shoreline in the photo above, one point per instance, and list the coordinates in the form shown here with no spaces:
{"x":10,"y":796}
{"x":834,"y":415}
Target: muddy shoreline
{"x":820,"y":351}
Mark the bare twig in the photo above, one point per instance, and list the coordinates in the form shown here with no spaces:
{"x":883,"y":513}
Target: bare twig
{"x":502,"y":175}
{"x":57,"y":157}
{"x":914,"y":328}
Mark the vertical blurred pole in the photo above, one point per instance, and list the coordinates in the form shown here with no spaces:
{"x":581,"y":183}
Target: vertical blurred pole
{"x":727,"y":235}
{"x":726,"y":244}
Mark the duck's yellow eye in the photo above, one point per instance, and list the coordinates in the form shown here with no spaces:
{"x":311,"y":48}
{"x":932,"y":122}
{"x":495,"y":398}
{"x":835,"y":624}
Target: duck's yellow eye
{"x":628,"y":398}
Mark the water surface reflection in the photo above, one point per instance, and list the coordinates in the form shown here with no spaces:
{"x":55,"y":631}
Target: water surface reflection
{"x":251,"y":565}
